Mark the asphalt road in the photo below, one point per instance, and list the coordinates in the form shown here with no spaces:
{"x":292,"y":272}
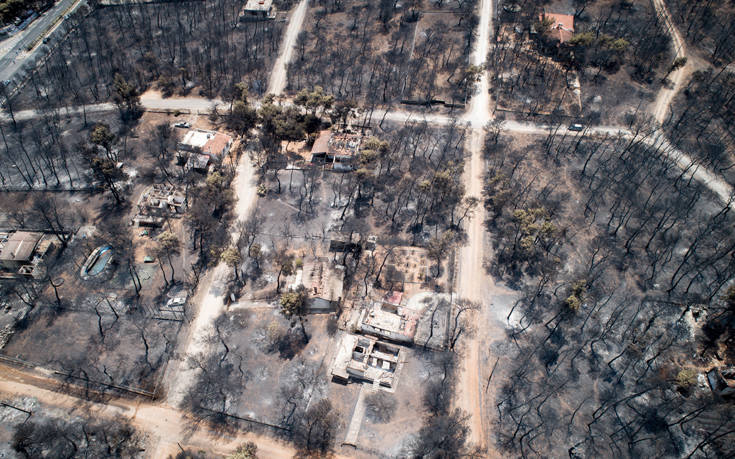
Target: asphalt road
{"x":16,"y":56}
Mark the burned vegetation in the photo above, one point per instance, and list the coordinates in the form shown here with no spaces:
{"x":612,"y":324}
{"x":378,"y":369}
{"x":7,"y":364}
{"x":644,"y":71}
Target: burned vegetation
{"x":623,"y":263}
{"x":709,"y":26}
{"x":76,"y":438}
{"x":113,"y":247}
{"x":386,"y":52}
{"x":701,"y":120}
{"x":174,"y":47}
{"x":598,"y":60}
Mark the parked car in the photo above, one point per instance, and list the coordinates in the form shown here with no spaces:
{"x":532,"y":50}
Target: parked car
{"x":182,"y":124}
{"x":576,"y":127}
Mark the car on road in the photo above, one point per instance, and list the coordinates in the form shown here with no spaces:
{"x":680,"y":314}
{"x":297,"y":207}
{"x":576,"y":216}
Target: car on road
{"x":576,"y":127}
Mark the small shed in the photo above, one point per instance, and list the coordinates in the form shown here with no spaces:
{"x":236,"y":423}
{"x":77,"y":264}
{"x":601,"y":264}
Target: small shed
{"x":321,"y":147}
{"x":198,"y":162}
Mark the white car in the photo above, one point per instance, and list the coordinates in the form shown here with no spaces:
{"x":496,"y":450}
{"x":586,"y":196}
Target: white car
{"x":576,"y":127}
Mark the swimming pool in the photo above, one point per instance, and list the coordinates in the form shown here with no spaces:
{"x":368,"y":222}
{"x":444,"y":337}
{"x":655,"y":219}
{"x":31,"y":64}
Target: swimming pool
{"x":97,"y":261}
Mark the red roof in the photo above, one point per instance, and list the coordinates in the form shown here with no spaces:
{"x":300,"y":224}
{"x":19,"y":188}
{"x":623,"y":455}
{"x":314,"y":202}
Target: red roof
{"x":562,"y":26}
{"x":217,"y":145}
{"x":393,"y":298}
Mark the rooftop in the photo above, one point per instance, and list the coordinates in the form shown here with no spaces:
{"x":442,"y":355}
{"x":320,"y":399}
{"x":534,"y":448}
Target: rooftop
{"x":367,"y":359}
{"x":562,"y":26}
{"x":19,"y":246}
{"x":390,"y":321}
{"x":337,"y":144}
{"x":258,"y":5}
{"x":209,"y":142}
{"x":197,"y":138}
{"x":217,"y":145}
{"x":198,"y":161}
{"x":321,"y":144}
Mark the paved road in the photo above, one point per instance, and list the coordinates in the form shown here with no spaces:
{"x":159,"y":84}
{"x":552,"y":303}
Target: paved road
{"x":16,"y":56}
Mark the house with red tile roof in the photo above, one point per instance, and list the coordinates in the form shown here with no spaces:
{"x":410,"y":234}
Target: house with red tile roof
{"x":562,"y":26}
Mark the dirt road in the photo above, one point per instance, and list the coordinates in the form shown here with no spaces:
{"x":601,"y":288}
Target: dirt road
{"x":471,"y":283}
{"x":153,"y":100}
{"x":719,"y":187}
{"x":212,"y":289}
{"x":211,"y":294}
{"x":149,"y":100}
{"x":472,"y":280}
{"x":666,"y":95}
{"x":164,"y":425}
{"x":278,"y":77}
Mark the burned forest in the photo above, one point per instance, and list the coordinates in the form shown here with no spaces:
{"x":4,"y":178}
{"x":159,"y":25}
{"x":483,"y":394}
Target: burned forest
{"x":348,"y":229}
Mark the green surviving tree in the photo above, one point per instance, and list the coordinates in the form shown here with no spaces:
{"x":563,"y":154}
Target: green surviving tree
{"x":231,"y":256}
{"x":577,"y":295}
{"x":168,"y":244}
{"x":105,"y":170}
{"x":534,"y":229}
{"x":601,"y":50}
{"x":247,"y":450}
{"x":678,"y":63}
{"x":242,"y":116}
{"x":342,"y":112}
{"x":315,"y":100}
{"x":127,"y":98}
{"x":293,"y":306}
{"x":103,"y":137}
